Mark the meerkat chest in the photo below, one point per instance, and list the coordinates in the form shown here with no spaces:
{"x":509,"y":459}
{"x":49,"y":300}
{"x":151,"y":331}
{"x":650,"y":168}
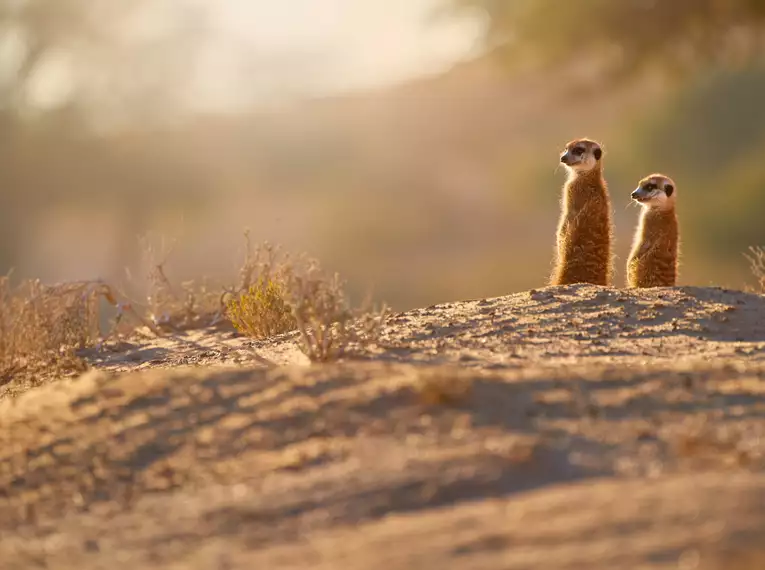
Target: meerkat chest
{"x":659,"y":235}
{"x":579,"y":197}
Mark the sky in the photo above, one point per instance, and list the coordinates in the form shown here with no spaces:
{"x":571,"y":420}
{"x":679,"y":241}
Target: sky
{"x":265,"y":49}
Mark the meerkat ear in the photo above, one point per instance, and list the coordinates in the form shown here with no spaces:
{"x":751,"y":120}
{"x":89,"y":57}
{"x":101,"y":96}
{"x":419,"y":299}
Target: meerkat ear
{"x":668,"y":189}
{"x":597,"y":153}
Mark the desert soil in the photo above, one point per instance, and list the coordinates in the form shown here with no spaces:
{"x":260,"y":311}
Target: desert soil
{"x":565,"y":428}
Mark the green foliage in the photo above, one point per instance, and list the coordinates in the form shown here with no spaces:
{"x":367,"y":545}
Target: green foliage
{"x":710,"y":136}
{"x":261,"y":311}
{"x":709,"y":122}
{"x":674,"y":34}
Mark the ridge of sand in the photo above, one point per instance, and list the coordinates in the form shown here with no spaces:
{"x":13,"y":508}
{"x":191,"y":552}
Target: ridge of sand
{"x":600,"y":429}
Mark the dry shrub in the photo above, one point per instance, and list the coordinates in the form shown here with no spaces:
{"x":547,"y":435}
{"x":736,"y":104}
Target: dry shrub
{"x":262,"y":310}
{"x":41,"y":326}
{"x":756,"y":259}
{"x":258,"y":306}
{"x":277,"y":293}
{"x":329,"y":326}
{"x":274,"y":294}
{"x":191,"y":304}
{"x":200,"y":303}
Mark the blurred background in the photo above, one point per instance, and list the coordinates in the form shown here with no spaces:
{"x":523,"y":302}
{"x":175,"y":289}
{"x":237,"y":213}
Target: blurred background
{"x":411,"y":145}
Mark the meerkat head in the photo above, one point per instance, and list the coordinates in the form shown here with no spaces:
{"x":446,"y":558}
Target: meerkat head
{"x":581,"y":155}
{"x":655,"y":192}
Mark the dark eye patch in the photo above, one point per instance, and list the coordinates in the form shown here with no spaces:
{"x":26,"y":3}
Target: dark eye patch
{"x":650,"y":187}
{"x":577,"y":150}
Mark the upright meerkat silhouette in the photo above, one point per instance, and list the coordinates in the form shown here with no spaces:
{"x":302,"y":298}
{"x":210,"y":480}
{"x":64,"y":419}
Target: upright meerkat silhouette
{"x":653,"y":261}
{"x":585,"y":230}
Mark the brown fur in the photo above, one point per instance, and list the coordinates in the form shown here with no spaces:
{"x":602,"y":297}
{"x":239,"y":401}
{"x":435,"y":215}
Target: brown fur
{"x":654,"y":258}
{"x":585,"y":230}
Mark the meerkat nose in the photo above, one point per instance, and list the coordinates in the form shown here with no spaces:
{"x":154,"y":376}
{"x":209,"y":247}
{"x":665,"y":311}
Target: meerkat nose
{"x":564,"y":158}
{"x":635,"y":194}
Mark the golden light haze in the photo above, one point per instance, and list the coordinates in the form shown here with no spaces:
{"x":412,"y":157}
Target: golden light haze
{"x":408,"y":152}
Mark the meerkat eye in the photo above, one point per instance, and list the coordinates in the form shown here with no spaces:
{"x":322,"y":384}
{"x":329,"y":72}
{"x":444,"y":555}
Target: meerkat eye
{"x":650,"y":187}
{"x":668,"y":189}
{"x":577,"y":150}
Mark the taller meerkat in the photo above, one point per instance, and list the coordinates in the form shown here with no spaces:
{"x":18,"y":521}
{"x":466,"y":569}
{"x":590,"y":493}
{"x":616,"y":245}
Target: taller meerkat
{"x":585,"y":229}
{"x":653,"y":260}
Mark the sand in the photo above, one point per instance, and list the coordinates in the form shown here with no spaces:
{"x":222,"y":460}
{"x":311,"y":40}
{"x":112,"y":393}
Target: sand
{"x":564,"y":428}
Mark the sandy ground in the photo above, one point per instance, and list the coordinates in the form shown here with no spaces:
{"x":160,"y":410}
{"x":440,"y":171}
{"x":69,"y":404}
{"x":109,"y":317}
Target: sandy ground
{"x":564,"y":428}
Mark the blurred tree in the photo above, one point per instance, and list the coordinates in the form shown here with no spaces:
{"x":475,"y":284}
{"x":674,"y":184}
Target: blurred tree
{"x":96,"y":54}
{"x":625,"y":35}
{"x":710,"y":133}
{"x":69,"y":68}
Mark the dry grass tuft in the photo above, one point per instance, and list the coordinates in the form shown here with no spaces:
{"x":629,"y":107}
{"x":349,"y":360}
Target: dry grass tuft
{"x":42,"y":326}
{"x":756,"y":257}
{"x":277,"y":293}
{"x":443,"y":388}
{"x":329,"y":326}
{"x":274,"y":294}
{"x":189,"y":305}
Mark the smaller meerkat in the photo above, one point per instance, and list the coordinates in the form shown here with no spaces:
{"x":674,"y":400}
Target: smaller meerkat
{"x":654,"y":257}
{"x":585,"y":229}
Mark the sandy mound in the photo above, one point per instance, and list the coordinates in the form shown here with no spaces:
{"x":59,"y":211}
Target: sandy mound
{"x":555,"y":325}
{"x":574,"y":427}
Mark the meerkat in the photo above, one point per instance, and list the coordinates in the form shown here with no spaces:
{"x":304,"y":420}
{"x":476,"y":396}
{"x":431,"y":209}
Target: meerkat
{"x":654,"y":257}
{"x":585,"y":230}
